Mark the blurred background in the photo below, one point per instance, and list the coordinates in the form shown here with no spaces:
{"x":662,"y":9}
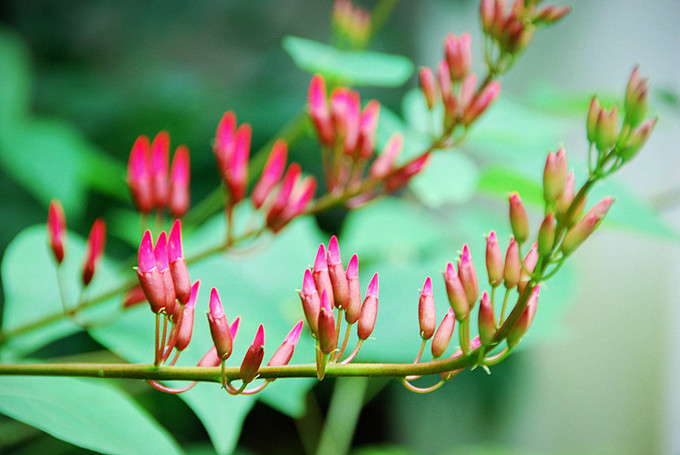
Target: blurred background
{"x":97,"y":74}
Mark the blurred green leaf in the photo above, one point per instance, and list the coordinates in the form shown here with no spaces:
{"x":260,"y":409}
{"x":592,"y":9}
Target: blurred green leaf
{"x":29,"y":276}
{"x":415,"y":142}
{"x":15,"y":79}
{"x":419,"y":117}
{"x":450,"y":177}
{"x":383,"y":450}
{"x":501,"y":181}
{"x":88,"y":413}
{"x":349,"y":67}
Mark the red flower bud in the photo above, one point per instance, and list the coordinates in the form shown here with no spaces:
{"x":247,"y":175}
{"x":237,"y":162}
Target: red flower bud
{"x":468,"y":276}
{"x":139,"y":175}
{"x":384,"y":163}
{"x":636,"y":99}
{"x":401,"y":176}
{"x":458,"y":55}
{"x":180,"y":198}
{"x":486,"y":320}
{"x":481,"y":102}
{"x":337,"y":274}
{"x":442,"y":336}
{"x":320,"y":273}
{"x":582,"y":230}
{"x":524,"y":321}
{"x":518,"y":218}
{"x":178,"y":267}
{"x":311,"y":302}
{"x":133,"y":297}
{"x":56,"y":230}
{"x":160,"y":157}
{"x":327,"y":336}
{"x":427,"y":316}
{"x":285,"y":352}
{"x":272,"y":173}
{"x":94,"y":250}
{"x":368,"y":126}
{"x":428,"y":86}
{"x":187,"y":325}
{"x":283,"y":196}
{"x":555,"y":175}
{"x":149,"y":277}
{"x":593,"y":115}
{"x":546,"y":234}
{"x":317,"y":105}
{"x":369,"y":310}
{"x":456,"y":293}
{"x":253,"y":358}
{"x":353,"y":309}
{"x":219,"y":327}
{"x":530,"y":261}
{"x":494,"y":260}
{"x":513,"y":265}
{"x":160,"y":252}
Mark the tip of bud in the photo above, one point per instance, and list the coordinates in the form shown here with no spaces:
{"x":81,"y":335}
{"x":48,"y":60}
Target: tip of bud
{"x":294,"y":335}
{"x":353,"y":267}
{"x":373,"y":287}
{"x":259,"y":337}
{"x":175,"y":242}
{"x":320,"y":261}
{"x":216,"y":309}
{"x":450,"y":271}
{"x":233,"y":328}
{"x":427,"y":287}
{"x":146,"y":256}
{"x":325,"y":303}
{"x":161,"y":252}
{"x":465,"y":256}
{"x":333,"y":252}
{"x":308,"y":286}
{"x":194,"y":293}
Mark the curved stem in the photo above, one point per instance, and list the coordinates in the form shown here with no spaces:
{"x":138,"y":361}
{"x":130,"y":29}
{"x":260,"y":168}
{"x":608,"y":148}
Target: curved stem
{"x":416,"y":389}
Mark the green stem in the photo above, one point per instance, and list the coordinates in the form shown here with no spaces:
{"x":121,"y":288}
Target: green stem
{"x":343,"y":414}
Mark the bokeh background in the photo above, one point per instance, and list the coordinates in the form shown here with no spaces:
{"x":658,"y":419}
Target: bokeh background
{"x":605,"y":383}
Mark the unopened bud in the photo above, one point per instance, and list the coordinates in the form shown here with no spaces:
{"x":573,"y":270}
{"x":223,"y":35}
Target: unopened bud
{"x":311,"y":303}
{"x":219,"y":327}
{"x":94,"y":250}
{"x":139,"y":175}
{"x":582,"y":230}
{"x":149,"y":276}
{"x":317,"y":106}
{"x":187,"y":324}
{"x":607,"y":131}
{"x":486,"y":320}
{"x":160,"y":159}
{"x":327,"y":336}
{"x":593,"y":115}
{"x":353,"y":309}
{"x":401,"y":176}
{"x":427,"y":315}
{"x":384,"y":163}
{"x":56,"y":230}
{"x":160,"y":252}
{"x":285,"y":352}
{"x":253,"y":358}
{"x":458,"y":55}
{"x":636,"y":99}
{"x":178,"y":267}
{"x":530,"y":261}
{"x":180,"y":197}
{"x":524,"y":321}
{"x":494,"y":260}
{"x":518,"y":218}
{"x":513,"y":265}
{"x":555,"y":175}
{"x":637,"y":139}
{"x":428,"y":86}
{"x":481,"y":102}
{"x":336,"y":274}
{"x":468,"y":276}
{"x":546,"y":234}
{"x":368,"y":127}
{"x":456,"y":293}
{"x":369,"y":310}
{"x":442,"y":336}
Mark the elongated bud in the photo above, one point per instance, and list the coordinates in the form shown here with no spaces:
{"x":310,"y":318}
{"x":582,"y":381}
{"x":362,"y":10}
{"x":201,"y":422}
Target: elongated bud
{"x":428,"y":86}
{"x":237,"y":180}
{"x":494,"y":260}
{"x":219,"y":327}
{"x":210,"y":359}
{"x":467,"y":90}
{"x":481,"y":102}
{"x":486,"y":320}
{"x":225,"y":143}
{"x":180,"y":196}
{"x":637,"y":139}
{"x":139,"y":175}
{"x":427,"y":315}
{"x":369,"y":310}
{"x":555,"y":175}
{"x":272,"y":173}
{"x":607,"y":131}
{"x":582,"y":230}
{"x":593,"y":115}
{"x":133,"y":297}
{"x":253,"y":358}
{"x":456,"y":293}
{"x":187,"y":325}
{"x":311,"y":303}
{"x":468,"y":276}
{"x":160,"y":252}
{"x":368,"y":127}
{"x":524,"y":321}
{"x":513,"y":265}
{"x":327,"y":336}
{"x":337,"y":274}
{"x":317,"y":106}
{"x":353,"y":308}
{"x":285,"y":352}
{"x":298,"y":202}
{"x":551,"y":14}
{"x":446,"y":90}
{"x":458,"y":55}
{"x":636,"y":99}
{"x":160,"y":158}
{"x":149,"y":276}
{"x":401,"y":176}
{"x":486,"y":14}
{"x":320,"y":273}
{"x":442,"y":336}
{"x":518,"y":218}
{"x":546,"y":234}
{"x":283,"y":196}
{"x":384,"y":163}
{"x":178,"y":267}
{"x":530,"y":261}
{"x":233,"y":328}
{"x":94,"y":250}
{"x":56,"y":230}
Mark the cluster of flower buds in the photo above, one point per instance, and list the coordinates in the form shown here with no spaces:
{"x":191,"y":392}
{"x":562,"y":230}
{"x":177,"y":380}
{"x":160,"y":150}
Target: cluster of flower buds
{"x":352,"y":25}
{"x":604,"y":130}
{"x":456,"y":86}
{"x":330,"y":285}
{"x":513,"y":28}
{"x":56,"y":239}
{"x":153,"y":183}
{"x":348,"y":135}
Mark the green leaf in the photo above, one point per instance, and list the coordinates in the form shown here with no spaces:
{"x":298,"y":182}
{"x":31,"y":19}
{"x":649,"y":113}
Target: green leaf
{"x":15,"y":80}
{"x":450,"y":177}
{"x":29,"y":276}
{"x":348,"y":67}
{"x":501,"y":181}
{"x":88,"y":413}
{"x":419,"y":117}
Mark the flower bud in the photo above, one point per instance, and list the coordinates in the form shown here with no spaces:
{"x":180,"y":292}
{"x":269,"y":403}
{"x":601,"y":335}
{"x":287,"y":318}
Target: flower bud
{"x":179,"y":198}
{"x":210,"y":359}
{"x":468,"y":276}
{"x":282,"y":199}
{"x":178,"y":267}
{"x":160,"y":253}
{"x":446,"y":90}
{"x":530,"y":261}
{"x":369,"y":310}
{"x":139,"y":175}
{"x":253,"y":358}
{"x":133,"y":297}
{"x":187,"y":324}
{"x":546,"y":234}
{"x":458,"y":55}
{"x":428,"y":86}
{"x":593,"y":115}
{"x":237,"y":178}
{"x":486,"y":14}
{"x":327,"y":336}
{"x":94,"y":250}
{"x":368,"y":126}
{"x":56,"y":230}
{"x":524,"y":321}
{"x":518,"y":218}
{"x":555,"y":175}
{"x":551,"y":14}
{"x":160,"y":158}
{"x":353,"y":309}
{"x":636,"y":99}
{"x":336,"y":274}
{"x":149,"y":276}
{"x":384,"y":163}
{"x":468,"y":89}
{"x":513,"y":265}
{"x":427,"y":316}
{"x":494,"y":260}
{"x":442,"y":336}
{"x":311,"y":303}
{"x":637,"y":139}
{"x":401,"y":176}
{"x":271,"y":174}
{"x":219,"y":327}
{"x":582,"y":230}
{"x":456,"y":293}
{"x":486,"y":320}
{"x":320,"y":273}
{"x":225,"y":143}
{"x":607,"y":131}
{"x":298,"y":202}
{"x":285,"y":352}
{"x":317,"y":106}
{"x":481,"y":102}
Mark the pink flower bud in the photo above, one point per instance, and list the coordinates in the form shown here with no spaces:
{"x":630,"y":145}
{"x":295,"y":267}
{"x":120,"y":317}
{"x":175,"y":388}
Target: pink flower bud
{"x":149,"y":276}
{"x":513,"y":265}
{"x":446,"y":90}
{"x":219,"y":327}
{"x":427,"y":315}
{"x":475,"y":343}
{"x":458,"y":55}
{"x":369,"y":310}
{"x":428,"y":86}
{"x":368,"y":127}
{"x":327,"y":336}
{"x":546,"y":234}
{"x":139,"y":175}
{"x":178,"y":267}
{"x":320,"y":273}
{"x":298,"y":202}
{"x":593,"y":115}
{"x":353,"y":309}
{"x":94,"y":250}
{"x":607,"y":131}
{"x":481,"y":102}
{"x":384,"y":163}
{"x":133,"y":297}
{"x":283,"y":196}
{"x":555,"y":175}
{"x":56,"y":230}
{"x":253,"y":358}
{"x":636,"y":99}
{"x":486,"y":320}
{"x":637,"y":139}
{"x":530,"y":261}
{"x":524,"y":321}
{"x":311,"y":303}
{"x":486,"y":13}
{"x":518,"y":218}
{"x":161,"y":254}
{"x":494,"y":260}
{"x":317,"y":105}
{"x":210,"y":359}
{"x":272,"y":173}
{"x":337,"y":276}
{"x":180,"y":198}
{"x":467,"y":90}
{"x":160,"y":157}
{"x":468,"y":276}
{"x":401,"y":176}
{"x":456,"y":293}
{"x":551,"y":14}
{"x":237,"y":178}
{"x":285,"y":352}
{"x":582,"y":230}
{"x":225,"y":142}
{"x":442,"y":336}
{"x":187,"y":325}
